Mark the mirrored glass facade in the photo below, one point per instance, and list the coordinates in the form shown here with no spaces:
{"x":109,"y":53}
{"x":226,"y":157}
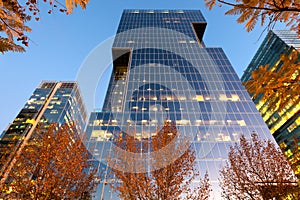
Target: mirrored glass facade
{"x":162,"y":70}
{"x":59,"y":102}
{"x":284,"y":125}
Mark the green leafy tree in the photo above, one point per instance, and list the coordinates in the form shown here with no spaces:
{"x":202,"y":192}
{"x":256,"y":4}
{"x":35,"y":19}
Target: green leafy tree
{"x":257,"y":169}
{"x":53,"y":165}
{"x":14,"y":15}
{"x":172,"y":181}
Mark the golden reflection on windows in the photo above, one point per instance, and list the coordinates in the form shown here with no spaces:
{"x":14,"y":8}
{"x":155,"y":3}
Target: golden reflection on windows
{"x":50,"y":106}
{"x":166,"y":97}
{"x":288,"y":153}
{"x":207,"y":98}
{"x":241,"y":122}
{"x":183,"y":122}
{"x":98,"y":122}
{"x":285,"y":117}
{"x":66,"y":119}
{"x":294,"y":125}
{"x":114,"y":122}
{"x":282,"y":145}
{"x":18,"y":119}
{"x":154,"y":98}
{"x":260,"y":104}
{"x":142,"y":99}
{"x":199,"y":98}
{"x":169,"y":98}
{"x":198,"y":122}
{"x":101,"y":135}
{"x":234,"y":97}
{"x":30,"y":121}
{"x":268,"y":115}
{"x":153,"y":108}
{"x":138,"y":136}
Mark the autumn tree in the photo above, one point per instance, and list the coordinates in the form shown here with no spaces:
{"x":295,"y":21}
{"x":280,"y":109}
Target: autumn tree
{"x":279,"y":85}
{"x":53,"y":165}
{"x":15,"y":14}
{"x":168,"y":176}
{"x":265,"y":11}
{"x":257,"y":169}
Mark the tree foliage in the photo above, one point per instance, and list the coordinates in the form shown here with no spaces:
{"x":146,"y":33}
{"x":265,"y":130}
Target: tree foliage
{"x":173,"y":181}
{"x":53,"y":165}
{"x":279,"y":85}
{"x":15,"y":14}
{"x":257,"y":169}
{"x":267,"y":11}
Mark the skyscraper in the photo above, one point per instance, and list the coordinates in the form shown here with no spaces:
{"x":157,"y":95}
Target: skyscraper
{"x":162,"y":70}
{"x":59,"y":102}
{"x":285,"y":124}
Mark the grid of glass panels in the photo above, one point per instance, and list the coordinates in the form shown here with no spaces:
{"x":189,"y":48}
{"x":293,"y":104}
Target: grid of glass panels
{"x":274,"y":44}
{"x":284,"y":125}
{"x":64,"y":104}
{"x":172,"y":75}
{"x":170,"y":19}
{"x":22,"y":123}
{"x":290,"y":38}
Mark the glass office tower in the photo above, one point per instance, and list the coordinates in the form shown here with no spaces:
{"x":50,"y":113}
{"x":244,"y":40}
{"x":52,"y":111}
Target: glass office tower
{"x":162,"y":70}
{"x":284,"y":125}
{"x":59,"y":102}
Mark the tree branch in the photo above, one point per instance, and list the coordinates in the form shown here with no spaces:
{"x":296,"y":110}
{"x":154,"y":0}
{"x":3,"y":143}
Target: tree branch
{"x":279,"y":9}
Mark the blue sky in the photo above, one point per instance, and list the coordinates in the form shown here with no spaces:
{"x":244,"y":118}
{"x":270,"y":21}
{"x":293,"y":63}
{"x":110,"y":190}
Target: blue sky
{"x":61,"y":43}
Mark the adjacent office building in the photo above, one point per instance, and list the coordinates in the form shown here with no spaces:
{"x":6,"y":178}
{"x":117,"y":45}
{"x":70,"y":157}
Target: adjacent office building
{"x":285,"y":124}
{"x":59,"y":102}
{"x":162,"y":70}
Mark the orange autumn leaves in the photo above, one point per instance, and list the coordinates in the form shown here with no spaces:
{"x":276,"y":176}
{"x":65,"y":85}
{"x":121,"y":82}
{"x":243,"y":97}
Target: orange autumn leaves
{"x":15,"y":15}
{"x":53,"y":165}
